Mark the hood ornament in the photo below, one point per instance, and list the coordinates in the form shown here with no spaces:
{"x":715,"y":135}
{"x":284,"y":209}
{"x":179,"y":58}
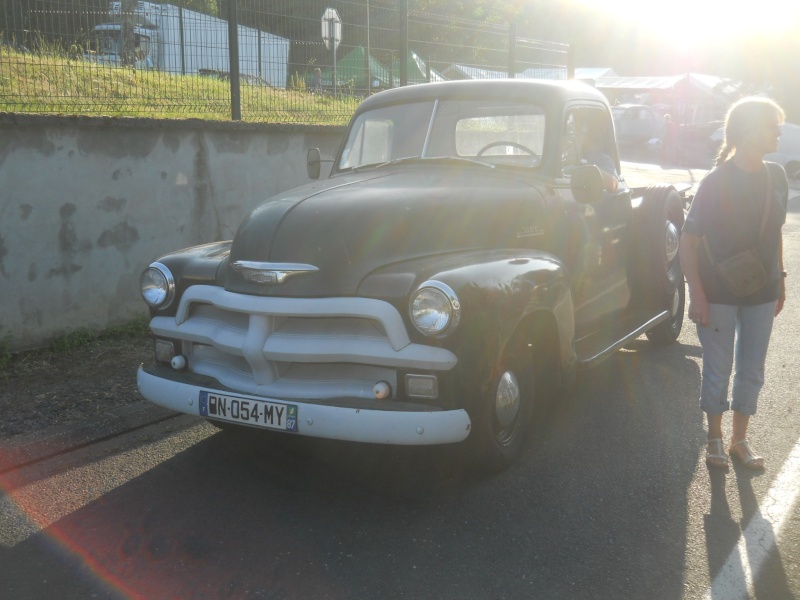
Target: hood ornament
{"x":265,"y":273}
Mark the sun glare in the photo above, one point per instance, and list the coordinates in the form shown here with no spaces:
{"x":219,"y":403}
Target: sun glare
{"x":706,"y":20}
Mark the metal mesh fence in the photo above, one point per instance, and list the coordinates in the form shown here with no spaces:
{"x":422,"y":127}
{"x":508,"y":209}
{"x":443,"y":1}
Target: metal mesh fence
{"x":283,"y":60}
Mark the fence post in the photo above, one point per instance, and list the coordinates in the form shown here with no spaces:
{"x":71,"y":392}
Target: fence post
{"x":512,"y":50}
{"x":183,"y":46}
{"x":367,"y":57}
{"x":233,"y":61}
{"x":403,"y":43}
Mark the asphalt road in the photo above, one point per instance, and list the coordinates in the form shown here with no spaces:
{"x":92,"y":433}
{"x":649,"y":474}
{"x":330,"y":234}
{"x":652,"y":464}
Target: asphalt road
{"x":612,"y":501}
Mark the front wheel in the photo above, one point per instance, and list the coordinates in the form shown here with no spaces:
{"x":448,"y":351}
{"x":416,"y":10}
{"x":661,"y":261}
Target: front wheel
{"x":504,"y":412}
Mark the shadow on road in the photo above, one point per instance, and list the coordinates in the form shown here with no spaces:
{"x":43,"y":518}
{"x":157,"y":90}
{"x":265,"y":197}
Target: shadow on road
{"x":599,"y":499}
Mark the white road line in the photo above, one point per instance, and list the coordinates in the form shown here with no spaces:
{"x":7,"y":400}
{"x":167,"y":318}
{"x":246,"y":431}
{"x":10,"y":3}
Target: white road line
{"x":758,"y":541}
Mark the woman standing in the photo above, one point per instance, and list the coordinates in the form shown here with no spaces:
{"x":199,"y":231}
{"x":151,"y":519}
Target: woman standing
{"x":726,"y":218}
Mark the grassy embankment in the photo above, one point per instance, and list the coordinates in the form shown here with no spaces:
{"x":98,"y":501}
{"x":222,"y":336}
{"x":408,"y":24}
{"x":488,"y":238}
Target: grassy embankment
{"x":54,"y":83}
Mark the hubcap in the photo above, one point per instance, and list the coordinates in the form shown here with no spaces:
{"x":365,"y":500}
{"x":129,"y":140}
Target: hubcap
{"x":507,"y":399}
{"x":672,"y":240}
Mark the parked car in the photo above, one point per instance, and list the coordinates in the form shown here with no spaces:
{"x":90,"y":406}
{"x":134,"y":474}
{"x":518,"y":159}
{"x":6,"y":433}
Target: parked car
{"x":637,"y":123}
{"x":458,"y":266}
{"x":788,"y":153}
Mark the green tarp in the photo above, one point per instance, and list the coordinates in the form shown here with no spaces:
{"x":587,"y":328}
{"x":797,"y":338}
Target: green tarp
{"x":351,"y":71}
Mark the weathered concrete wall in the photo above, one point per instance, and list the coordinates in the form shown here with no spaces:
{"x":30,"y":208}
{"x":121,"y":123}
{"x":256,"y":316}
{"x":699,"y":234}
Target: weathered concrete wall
{"x":87,"y":203}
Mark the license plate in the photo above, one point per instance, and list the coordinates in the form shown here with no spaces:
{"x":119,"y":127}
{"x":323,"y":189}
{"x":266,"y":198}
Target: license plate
{"x":260,"y":413}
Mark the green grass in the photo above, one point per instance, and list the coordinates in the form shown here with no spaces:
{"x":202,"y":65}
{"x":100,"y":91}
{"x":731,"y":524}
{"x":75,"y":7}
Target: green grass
{"x":74,"y":339}
{"x":134,"y":328}
{"x":126,"y":333}
{"x":54,"y":82}
{"x":83,"y":336}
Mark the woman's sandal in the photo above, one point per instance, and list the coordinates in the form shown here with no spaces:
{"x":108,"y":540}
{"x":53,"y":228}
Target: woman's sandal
{"x":750,"y":460}
{"x":717,"y":459}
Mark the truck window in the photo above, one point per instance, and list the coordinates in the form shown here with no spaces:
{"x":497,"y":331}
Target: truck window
{"x":387,"y":134}
{"x":587,"y":139}
{"x":474,"y":133}
{"x":501,"y":132}
{"x":370,"y":144}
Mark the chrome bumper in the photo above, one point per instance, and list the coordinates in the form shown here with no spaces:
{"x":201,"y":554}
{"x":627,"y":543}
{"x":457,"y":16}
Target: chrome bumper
{"x":399,"y":427}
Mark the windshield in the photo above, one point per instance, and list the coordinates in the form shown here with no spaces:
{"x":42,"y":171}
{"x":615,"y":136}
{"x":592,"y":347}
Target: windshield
{"x":108,"y":43}
{"x":494,"y":132}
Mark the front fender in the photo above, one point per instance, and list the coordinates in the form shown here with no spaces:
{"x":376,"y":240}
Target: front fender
{"x":192,"y":266}
{"x":500,"y":297}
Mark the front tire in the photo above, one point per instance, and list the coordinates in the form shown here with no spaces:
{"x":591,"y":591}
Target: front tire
{"x":504,"y":412}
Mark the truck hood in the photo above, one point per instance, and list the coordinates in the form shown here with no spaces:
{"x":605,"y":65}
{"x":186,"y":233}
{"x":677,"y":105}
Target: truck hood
{"x":354,"y":224}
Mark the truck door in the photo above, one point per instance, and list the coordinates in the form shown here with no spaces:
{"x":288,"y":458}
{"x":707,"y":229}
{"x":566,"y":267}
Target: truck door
{"x":595,"y":244}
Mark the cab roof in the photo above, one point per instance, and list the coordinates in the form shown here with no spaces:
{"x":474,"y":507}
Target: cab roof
{"x":545,"y":92}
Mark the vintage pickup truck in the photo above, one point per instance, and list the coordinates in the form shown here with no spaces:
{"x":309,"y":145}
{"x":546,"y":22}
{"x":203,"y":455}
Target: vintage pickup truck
{"x":462,"y":261}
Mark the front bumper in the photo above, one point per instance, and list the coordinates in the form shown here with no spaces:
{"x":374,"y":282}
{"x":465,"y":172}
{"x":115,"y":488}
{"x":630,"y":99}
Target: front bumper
{"x":398,"y":427}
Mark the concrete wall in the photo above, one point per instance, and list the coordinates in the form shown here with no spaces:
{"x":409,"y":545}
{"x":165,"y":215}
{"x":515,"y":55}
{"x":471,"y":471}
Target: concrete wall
{"x":87,"y":203}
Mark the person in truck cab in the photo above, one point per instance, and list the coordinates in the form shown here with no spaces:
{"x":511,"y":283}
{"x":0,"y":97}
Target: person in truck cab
{"x":587,"y":141}
{"x":592,"y":142}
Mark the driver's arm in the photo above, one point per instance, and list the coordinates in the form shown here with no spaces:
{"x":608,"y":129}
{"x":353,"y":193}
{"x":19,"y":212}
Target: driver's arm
{"x":610,"y":181}
{"x":607,"y":170}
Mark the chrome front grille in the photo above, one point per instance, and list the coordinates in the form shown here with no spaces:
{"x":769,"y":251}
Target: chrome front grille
{"x":314,"y":348}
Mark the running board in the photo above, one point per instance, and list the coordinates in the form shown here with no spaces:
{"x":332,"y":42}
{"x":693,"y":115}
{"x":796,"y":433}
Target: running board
{"x":594,"y":349}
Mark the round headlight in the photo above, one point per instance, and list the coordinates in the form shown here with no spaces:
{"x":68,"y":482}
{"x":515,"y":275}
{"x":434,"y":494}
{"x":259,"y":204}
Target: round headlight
{"x":158,"y":286}
{"x":434,"y":308}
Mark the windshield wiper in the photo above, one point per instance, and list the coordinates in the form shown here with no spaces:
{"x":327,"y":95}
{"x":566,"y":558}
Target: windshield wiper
{"x":395,"y":161}
{"x":471,"y":161}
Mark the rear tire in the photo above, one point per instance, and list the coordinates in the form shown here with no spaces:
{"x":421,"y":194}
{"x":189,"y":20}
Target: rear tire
{"x":667,"y":332}
{"x":658,"y":276}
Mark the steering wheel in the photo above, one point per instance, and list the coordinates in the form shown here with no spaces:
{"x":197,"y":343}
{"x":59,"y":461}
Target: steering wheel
{"x":503,"y":143}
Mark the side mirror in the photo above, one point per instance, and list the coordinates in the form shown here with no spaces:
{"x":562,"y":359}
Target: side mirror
{"x":313,"y":160}
{"x":587,"y":184}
